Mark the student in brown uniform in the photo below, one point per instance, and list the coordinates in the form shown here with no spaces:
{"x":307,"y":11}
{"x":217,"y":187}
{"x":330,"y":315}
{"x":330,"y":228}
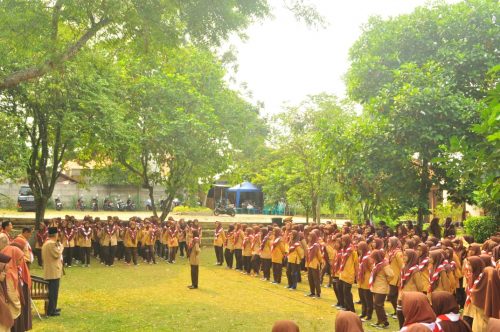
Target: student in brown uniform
{"x":418,"y":312}
{"x":68,"y":239}
{"x":130,"y":239}
{"x":40,"y":237}
{"x":347,"y":321}
{"x":447,"y":311}
{"x":149,"y":243}
{"x":348,"y":271}
{"x":6,"y":320}
{"x":219,"y":239}
{"x":265,"y":253}
{"x":277,"y":254}
{"x":295,"y":254}
{"x":410,"y":279}
{"x":485,"y":297}
{"x":380,"y":278}
{"x":238,"y":236}
{"x":247,"y":250}
{"x":193,"y":252}
{"x":364,"y":272}
{"x":395,"y":258}
{"x":256,"y":251}
{"x":85,"y":239}
{"x":313,"y":263}
{"x":109,"y":242}
{"x":173,"y":243}
{"x":229,"y":244}
{"x":438,"y":277}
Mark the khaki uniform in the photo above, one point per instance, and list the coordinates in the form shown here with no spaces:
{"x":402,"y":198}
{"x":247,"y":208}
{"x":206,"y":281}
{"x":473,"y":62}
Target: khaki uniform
{"x":52,"y":260}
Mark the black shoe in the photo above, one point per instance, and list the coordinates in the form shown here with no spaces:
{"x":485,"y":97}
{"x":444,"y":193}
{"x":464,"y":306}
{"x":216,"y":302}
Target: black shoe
{"x":310,"y":295}
{"x":54,"y":314}
{"x":383,"y":326}
{"x":193,"y":287}
{"x":58,"y":310}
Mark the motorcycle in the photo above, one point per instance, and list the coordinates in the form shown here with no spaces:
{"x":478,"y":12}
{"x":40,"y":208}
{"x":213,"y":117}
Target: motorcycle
{"x":95,"y":204}
{"x":58,"y":202}
{"x":229,"y":210}
{"x":107,"y":205}
{"x":130,"y":205}
{"x":120,"y":205}
{"x":80,"y":204}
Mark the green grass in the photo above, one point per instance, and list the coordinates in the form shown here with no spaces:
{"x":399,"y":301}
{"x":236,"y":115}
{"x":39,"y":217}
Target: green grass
{"x":155,"y":298}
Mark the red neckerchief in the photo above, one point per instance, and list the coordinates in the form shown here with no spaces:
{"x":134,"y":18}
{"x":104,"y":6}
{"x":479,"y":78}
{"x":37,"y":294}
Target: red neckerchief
{"x":172,"y":233}
{"x":152,"y":234}
{"x":247,"y":239}
{"x":264,"y":240}
{"x":133,"y":233}
{"x":70,"y":236}
{"x":363,"y":259}
{"x":435,"y":276}
{"x":315,"y":246}
{"x":345,"y":255}
{"x":450,"y":317}
{"x":293,"y":247}
{"x":218,"y":231}
{"x":372,"y":274}
{"x":86,"y":233}
{"x":275,"y":243}
{"x":41,"y":236}
{"x":193,"y":242}
{"x":113,"y":230}
{"x":391,"y":254}
{"x":469,"y":290}
{"x":423,"y":264}
{"x":407,"y":275}
{"x":254,"y":240}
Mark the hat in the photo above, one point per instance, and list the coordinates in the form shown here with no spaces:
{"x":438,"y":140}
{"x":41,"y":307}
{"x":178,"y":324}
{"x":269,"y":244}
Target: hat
{"x":52,"y":230}
{"x":4,"y":258}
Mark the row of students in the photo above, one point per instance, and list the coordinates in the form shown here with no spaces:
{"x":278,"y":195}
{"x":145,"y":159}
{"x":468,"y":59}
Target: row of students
{"x":114,"y":239}
{"x":382,"y":268}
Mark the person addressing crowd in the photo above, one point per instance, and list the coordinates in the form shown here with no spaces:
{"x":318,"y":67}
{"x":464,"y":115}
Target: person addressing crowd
{"x":52,"y":255}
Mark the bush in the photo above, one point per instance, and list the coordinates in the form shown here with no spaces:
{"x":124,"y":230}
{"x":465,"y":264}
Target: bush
{"x":481,"y":227}
{"x":189,"y":209}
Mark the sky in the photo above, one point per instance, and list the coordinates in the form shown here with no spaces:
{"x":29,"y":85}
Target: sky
{"x":284,"y":60}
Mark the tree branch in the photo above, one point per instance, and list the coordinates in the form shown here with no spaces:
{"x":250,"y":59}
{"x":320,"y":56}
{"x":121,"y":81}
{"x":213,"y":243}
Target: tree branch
{"x":35,"y":72}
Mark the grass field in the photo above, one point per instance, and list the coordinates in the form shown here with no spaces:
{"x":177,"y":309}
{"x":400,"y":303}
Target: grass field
{"x":155,"y":298}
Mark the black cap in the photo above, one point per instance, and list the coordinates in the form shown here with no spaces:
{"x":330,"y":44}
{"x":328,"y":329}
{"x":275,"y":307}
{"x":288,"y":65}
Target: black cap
{"x":52,"y":230}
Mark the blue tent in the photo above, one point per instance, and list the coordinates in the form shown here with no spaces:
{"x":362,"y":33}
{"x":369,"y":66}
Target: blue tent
{"x":246,"y":188}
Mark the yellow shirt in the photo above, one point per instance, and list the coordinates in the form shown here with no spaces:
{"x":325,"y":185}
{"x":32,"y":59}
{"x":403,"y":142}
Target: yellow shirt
{"x":396,"y":263}
{"x":278,"y":252}
{"x":295,"y":257}
{"x":219,"y":238}
{"x":314,"y":262}
{"x":350,"y":268}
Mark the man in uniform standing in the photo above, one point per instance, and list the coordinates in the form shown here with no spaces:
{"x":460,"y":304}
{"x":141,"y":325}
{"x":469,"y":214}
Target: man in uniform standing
{"x":52,"y":251}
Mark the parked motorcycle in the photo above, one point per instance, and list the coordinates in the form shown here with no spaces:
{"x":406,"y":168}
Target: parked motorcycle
{"x":95,"y":204}
{"x":120,"y":205}
{"x":130,"y":205}
{"x":107,"y":205}
{"x":80,"y":204}
{"x":229,"y":210}
{"x":58,"y":202}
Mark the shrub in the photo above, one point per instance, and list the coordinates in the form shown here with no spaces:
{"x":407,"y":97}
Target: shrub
{"x":189,"y":209}
{"x":481,"y":227}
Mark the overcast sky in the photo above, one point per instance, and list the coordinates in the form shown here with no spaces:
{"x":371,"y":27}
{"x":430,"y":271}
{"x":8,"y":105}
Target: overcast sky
{"x":283,"y":60}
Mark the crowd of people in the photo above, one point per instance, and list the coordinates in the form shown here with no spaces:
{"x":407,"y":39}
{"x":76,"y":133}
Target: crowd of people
{"x":452,"y":281}
{"x":433,"y":279}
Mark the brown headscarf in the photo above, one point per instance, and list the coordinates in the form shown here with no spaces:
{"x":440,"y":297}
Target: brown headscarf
{"x":363,"y":263}
{"x":444,"y":303}
{"x":347,"y":321}
{"x":313,"y":246}
{"x":378,"y":257}
{"x":474,"y":250}
{"x":477,"y":266}
{"x":5,"y":316}
{"x":411,"y":262}
{"x":285,"y":326}
{"x":486,"y":259}
{"x":379,"y":244}
{"x":487,"y":292}
{"x":416,"y":308}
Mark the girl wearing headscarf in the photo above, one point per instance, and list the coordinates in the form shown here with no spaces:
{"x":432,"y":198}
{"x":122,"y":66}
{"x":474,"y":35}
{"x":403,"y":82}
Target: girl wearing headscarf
{"x":438,"y":277}
{"x":461,"y":254}
{"x":395,"y":258}
{"x":473,"y":272}
{"x":277,"y":254}
{"x":348,"y":270}
{"x":238,"y":236}
{"x":256,"y":251}
{"x":451,"y":268}
{"x":6,"y":320}
{"x":485,"y":296}
{"x":410,"y":279}
{"x":15,"y":299}
{"x":417,"y":312}
{"x":229,"y":244}
{"x":380,"y":278}
{"x":423,"y":265}
{"x":247,"y":250}
{"x":474,"y":250}
{"x":295,"y":254}
{"x":24,"y":322}
{"x":449,"y":228}
{"x":347,"y":321}
{"x":447,"y":311}
{"x":364,"y":271}
{"x":193,"y":254}
{"x":313,"y":263}
{"x":265,"y":254}
{"x":335,"y":264}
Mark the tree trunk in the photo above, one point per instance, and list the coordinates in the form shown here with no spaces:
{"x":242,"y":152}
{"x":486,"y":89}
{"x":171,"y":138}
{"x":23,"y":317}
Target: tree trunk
{"x":168,"y":206}
{"x":314,"y":202}
{"x":41,"y":206}
{"x":152,"y":198}
{"x":424,"y":188}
